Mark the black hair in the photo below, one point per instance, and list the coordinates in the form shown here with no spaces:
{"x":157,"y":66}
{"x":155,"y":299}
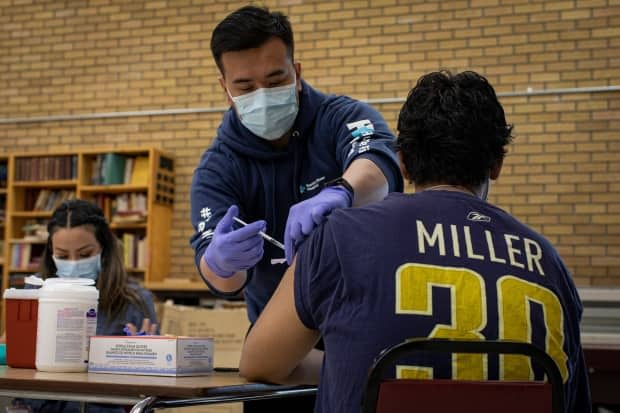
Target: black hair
{"x":247,"y":28}
{"x":452,"y":129}
{"x":75,"y":213}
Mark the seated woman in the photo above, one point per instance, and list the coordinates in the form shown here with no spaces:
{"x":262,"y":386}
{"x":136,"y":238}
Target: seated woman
{"x":81,"y":244}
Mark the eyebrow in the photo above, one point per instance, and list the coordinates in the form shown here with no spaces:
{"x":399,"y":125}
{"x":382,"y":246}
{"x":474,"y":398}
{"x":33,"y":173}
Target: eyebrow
{"x":79,"y":249}
{"x":277,"y":72}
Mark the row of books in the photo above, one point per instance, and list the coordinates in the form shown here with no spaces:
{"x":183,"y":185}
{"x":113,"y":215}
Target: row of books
{"x":27,"y":256}
{"x":134,"y":250}
{"x":115,"y":169}
{"x":46,"y":168}
{"x":47,"y":200}
{"x":126,"y":207}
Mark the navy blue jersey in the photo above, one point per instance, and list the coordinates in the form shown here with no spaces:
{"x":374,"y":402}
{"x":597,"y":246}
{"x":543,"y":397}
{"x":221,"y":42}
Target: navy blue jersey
{"x":240,"y":168}
{"x":435,"y":264}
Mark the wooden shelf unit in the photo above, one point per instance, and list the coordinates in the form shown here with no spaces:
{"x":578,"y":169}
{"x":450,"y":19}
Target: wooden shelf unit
{"x":4,"y":195}
{"x":71,"y":174}
{"x":5,"y":166}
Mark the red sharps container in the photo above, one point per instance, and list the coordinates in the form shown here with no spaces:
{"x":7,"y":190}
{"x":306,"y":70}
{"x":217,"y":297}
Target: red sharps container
{"x":21,"y":310}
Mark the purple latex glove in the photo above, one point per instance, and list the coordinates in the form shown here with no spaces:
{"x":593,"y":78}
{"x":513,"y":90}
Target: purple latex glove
{"x":305,"y":215}
{"x":233,"y":250}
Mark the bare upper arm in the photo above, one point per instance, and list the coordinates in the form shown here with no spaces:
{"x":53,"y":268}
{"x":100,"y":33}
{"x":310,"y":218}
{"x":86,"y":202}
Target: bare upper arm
{"x":279,"y":341}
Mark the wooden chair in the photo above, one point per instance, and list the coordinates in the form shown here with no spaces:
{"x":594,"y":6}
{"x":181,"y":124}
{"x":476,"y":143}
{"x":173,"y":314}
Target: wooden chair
{"x":408,"y":395}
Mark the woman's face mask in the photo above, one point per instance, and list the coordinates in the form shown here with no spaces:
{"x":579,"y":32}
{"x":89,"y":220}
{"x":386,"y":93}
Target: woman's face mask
{"x":268,"y":112}
{"x":84,"y":268}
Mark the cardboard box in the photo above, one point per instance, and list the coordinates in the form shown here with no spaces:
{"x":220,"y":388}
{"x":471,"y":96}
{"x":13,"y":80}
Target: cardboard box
{"x":228,"y":328}
{"x":151,"y":355}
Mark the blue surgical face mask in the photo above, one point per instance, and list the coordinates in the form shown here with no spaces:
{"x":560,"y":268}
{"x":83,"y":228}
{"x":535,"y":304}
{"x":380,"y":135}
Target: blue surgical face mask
{"x":268,"y":112}
{"x":84,"y":268}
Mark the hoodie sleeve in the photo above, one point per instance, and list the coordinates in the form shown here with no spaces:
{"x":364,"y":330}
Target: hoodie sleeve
{"x":361,"y":132}
{"x":213,"y":191}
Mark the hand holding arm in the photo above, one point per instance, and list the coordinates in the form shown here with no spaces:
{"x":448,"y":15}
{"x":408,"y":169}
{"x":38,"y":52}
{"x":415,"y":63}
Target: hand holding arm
{"x":306,"y":215}
{"x":369,"y":185}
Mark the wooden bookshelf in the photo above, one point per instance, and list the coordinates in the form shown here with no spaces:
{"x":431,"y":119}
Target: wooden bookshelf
{"x":136,"y":201}
{"x":4,"y":200}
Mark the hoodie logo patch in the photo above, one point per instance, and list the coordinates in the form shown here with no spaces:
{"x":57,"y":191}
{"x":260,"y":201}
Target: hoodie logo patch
{"x":311,"y":186}
{"x":205,"y":213}
{"x":361,"y":131}
{"x":361,"y":128}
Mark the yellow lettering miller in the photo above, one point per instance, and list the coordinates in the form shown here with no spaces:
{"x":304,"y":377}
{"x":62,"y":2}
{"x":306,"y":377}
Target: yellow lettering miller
{"x":502,"y":249}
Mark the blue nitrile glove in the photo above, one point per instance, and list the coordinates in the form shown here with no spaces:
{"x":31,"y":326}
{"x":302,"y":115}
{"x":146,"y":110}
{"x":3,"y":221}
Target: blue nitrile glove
{"x":305,"y":215}
{"x":233,"y":250}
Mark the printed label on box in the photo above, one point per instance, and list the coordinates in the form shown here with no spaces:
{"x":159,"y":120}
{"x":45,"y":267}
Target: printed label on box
{"x":151,"y":355}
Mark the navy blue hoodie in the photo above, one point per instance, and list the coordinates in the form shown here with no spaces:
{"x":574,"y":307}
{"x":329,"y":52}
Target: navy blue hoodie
{"x":243,"y":169}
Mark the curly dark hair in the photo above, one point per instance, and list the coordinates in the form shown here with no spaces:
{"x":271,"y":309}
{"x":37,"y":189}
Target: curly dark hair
{"x":247,"y":28}
{"x":452,"y":129}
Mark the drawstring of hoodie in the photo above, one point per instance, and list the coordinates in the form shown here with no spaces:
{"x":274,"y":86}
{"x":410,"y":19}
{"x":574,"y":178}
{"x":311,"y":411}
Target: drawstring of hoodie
{"x":273,"y":211}
{"x":297,"y":167}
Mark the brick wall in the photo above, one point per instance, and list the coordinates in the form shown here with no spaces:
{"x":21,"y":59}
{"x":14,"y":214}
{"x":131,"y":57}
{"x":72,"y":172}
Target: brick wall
{"x":561,"y":177}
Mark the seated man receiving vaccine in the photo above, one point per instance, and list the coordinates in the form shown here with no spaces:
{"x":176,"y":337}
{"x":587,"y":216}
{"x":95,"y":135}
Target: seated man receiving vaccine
{"x":440,"y":263}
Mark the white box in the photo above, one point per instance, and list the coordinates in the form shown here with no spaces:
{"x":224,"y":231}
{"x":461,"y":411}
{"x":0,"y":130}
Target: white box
{"x":151,"y":355}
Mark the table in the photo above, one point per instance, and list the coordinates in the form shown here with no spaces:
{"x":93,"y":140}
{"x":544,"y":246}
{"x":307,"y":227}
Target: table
{"x":602,"y":353}
{"x":144,"y":392}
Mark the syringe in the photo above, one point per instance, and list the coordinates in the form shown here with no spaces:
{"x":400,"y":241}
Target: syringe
{"x":268,"y":238}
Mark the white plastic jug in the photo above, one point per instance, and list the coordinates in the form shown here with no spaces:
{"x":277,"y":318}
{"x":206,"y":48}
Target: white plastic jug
{"x":67,"y":318}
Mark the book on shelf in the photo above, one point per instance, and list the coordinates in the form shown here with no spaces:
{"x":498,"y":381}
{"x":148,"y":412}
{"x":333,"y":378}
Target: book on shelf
{"x":48,"y":200}
{"x":108,"y":169}
{"x":129,"y":207}
{"x":129,"y":165}
{"x":113,"y":169}
{"x":140,"y":172}
{"x":95,"y":171}
{"x":134,"y":250}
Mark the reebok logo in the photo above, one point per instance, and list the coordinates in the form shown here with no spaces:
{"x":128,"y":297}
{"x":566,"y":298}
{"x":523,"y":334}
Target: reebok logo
{"x":478,"y":217}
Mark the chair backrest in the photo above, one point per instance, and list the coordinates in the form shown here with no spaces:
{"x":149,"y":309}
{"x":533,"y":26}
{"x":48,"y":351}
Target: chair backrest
{"x":407,"y":395}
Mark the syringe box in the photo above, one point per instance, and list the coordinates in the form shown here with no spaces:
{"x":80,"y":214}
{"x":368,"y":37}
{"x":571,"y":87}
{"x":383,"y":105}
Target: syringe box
{"x":151,"y":355}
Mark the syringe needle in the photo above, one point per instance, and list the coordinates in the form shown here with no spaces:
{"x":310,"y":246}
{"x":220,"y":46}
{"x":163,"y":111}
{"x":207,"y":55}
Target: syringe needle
{"x":268,"y":238}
